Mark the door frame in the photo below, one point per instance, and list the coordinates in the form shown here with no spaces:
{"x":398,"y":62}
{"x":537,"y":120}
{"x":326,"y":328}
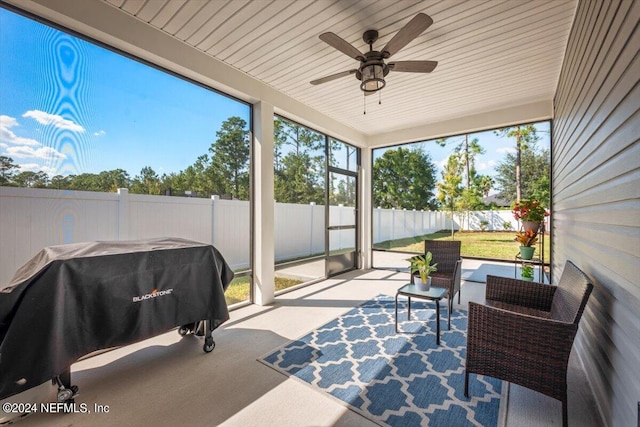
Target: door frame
{"x":337,"y":264}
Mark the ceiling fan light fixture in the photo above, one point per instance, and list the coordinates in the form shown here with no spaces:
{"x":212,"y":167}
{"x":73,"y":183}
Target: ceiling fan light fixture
{"x":372,"y":78}
{"x":372,"y":69}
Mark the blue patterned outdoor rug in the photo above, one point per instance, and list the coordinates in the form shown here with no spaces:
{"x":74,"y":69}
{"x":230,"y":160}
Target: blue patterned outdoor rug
{"x":403,"y":379}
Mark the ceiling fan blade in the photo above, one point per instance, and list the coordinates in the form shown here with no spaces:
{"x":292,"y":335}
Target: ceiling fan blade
{"x":335,"y":41}
{"x":332,"y":77}
{"x":413,"y":66}
{"x":410,"y":31}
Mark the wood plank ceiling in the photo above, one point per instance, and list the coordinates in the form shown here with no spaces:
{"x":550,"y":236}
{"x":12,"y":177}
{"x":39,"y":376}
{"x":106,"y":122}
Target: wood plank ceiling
{"x":492,"y":54}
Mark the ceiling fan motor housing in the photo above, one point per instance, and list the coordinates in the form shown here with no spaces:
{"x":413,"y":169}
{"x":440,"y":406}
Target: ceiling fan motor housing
{"x":372,"y":58}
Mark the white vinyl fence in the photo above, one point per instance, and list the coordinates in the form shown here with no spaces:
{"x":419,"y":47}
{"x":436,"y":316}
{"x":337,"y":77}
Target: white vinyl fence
{"x":299,"y":230}
{"x":392,"y":224}
{"x":31,"y":219}
{"x":502,"y":220}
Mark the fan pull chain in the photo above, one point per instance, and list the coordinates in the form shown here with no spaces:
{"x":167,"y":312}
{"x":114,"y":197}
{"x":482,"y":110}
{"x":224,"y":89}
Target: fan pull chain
{"x":364,"y":101}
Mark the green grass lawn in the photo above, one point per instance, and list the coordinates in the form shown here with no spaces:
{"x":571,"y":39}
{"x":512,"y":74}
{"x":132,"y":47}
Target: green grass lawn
{"x":483,"y":244}
{"x":238,"y":289}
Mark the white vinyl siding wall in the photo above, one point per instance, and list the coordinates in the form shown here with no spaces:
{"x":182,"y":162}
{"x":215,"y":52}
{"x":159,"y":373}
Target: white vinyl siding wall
{"x":596,"y":193}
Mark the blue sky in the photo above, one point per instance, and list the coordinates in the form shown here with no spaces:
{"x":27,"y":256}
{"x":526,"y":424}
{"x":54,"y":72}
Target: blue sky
{"x":69,"y":107}
{"x":495,"y":149}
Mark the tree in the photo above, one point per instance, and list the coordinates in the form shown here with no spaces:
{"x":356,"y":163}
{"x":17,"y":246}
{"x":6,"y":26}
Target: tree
{"x":299,"y":138}
{"x":450,"y":188}
{"x":404,"y":178}
{"x":471,"y":197}
{"x":299,"y":163}
{"x":29,"y":179}
{"x":147,"y":182}
{"x":342,"y":191}
{"x":84,"y":182}
{"x":230,"y":158}
{"x":60,"y":182}
{"x":174,"y":183}
{"x":486,"y":183}
{"x":298,"y":182}
{"x":535,"y":171}
{"x":200,"y":178}
{"x":110,"y":181}
{"x":279,"y":138}
{"x":7,"y":168}
{"x":466,"y":151}
{"x":540,"y":189}
{"x":525,"y":136}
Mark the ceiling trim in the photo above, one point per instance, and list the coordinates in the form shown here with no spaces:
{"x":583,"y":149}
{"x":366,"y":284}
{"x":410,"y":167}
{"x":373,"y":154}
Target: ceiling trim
{"x":536,"y":111}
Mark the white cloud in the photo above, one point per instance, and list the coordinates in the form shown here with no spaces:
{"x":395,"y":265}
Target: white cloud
{"x":18,"y":147}
{"x":504,"y":150}
{"x":34,"y":167}
{"x":442,"y":163}
{"x":7,"y":136}
{"x":99,"y":133}
{"x":7,"y":121}
{"x":24,"y":152}
{"x":483,"y":166}
{"x":53,"y":119}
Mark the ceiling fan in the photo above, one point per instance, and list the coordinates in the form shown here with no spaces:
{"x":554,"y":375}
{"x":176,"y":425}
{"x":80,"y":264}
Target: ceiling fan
{"x":373,"y":69}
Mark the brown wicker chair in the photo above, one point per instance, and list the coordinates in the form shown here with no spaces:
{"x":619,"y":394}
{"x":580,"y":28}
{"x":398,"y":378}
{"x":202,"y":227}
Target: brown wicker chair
{"x":525,"y":330}
{"x":447,"y":254}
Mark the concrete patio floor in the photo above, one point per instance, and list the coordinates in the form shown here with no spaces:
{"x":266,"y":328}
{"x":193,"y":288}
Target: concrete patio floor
{"x":474,"y":270}
{"x":168,"y":380}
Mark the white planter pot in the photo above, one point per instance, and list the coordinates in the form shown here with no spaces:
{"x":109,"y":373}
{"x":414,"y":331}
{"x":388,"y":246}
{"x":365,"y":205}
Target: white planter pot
{"x":421,"y":285}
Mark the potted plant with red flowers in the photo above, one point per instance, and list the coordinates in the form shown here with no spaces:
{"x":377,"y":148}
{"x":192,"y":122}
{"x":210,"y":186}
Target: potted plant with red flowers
{"x":527,"y":239}
{"x":530,"y":212}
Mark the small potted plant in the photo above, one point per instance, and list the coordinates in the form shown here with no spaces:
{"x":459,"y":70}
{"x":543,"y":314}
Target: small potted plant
{"x":527,"y":272}
{"x":530,"y":212}
{"x":526,"y":239}
{"x":421,"y":264}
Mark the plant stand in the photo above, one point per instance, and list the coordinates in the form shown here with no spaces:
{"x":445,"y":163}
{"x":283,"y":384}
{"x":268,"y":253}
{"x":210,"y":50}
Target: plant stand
{"x":536,"y":261}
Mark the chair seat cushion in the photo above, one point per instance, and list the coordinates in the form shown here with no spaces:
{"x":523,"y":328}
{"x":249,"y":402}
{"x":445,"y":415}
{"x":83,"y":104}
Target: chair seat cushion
{"x":518,"y":309}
